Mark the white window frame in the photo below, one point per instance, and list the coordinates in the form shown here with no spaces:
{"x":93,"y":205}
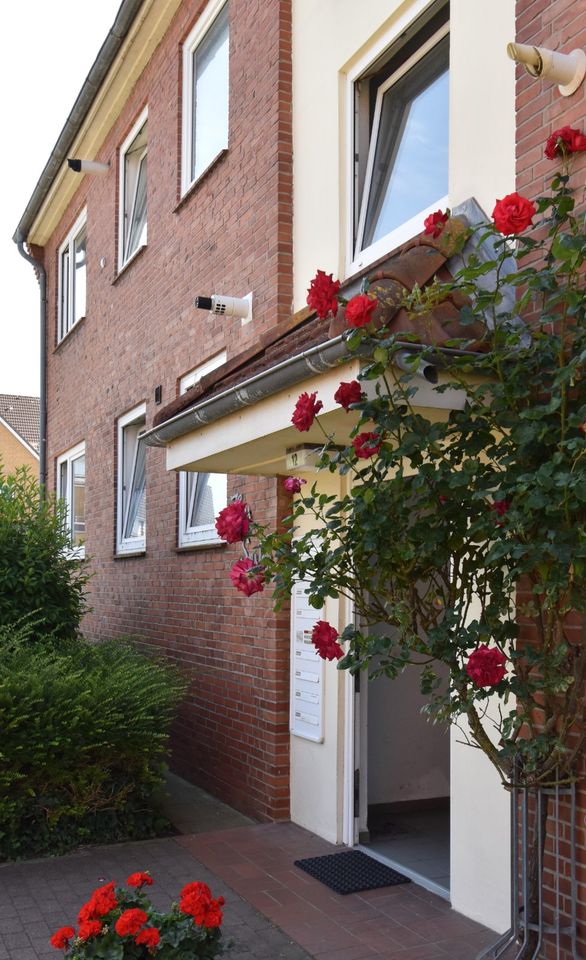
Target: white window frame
{"x":127,"y":545}
{"x":66,"y":323}
{"x":204,"y":23}
{"x":356,"y":262}
{"x":205,"y":534}
{"x":67,"y":494}
{"x":122,"y":209}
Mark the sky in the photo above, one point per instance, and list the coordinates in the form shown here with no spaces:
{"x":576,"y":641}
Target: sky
{"x":47,"y":48}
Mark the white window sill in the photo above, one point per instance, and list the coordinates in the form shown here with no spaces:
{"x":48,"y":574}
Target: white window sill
{"x":134,"y":551}
{"x":200,"y":545}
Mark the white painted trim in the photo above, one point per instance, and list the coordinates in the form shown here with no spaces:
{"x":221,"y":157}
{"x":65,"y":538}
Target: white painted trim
{"x":205,"y":21}
{"x":75,"y":230}
{"x":412,"y":227}
{"x":126,"y":545}
{"x":205,"y":534}
{"x":18,"y":437}
{"x":137,"y":127}
{"x":68,"y":457}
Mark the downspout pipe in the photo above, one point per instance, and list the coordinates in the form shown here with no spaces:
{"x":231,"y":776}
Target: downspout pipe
{"x":41,"y":275}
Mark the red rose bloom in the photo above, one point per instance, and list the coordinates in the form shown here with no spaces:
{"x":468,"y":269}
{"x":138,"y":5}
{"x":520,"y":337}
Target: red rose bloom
{"x":348,"y":393}
{"x":486,"y":667}
{"x":359,"y":309}
{"x":89,"y":929}
{"x":293,"y":484}
{"x":325,"y":640}
{"x":232,"y":524}
{"x":501,"y":508}
{"x":306,"y":410}
{"x":564,"y":141}
{"x":513,"y":214}
{"x":366,"y":445}
{"x":321,"y":295}
{"x":435,"y":223}
{"x":130,"y":922}
{"x":139,"y":880}
{"x":247,"y":576}
{"x":149,"y":937}
{"x":60,"y":939}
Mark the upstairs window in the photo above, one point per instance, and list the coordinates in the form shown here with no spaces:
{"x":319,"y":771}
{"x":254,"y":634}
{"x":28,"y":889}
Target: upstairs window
{"x":201,"y":495}
{"x":133,"y":192}
{"x":205,"y":92}
{"x":401,"y":113}
{"x":71,"y":489}
{"x":72,"y":277}
{"x":131,"y":500}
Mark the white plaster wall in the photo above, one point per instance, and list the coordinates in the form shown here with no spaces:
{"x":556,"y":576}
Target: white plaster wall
{"x":408,"y":757}
{"x":317,"y":768}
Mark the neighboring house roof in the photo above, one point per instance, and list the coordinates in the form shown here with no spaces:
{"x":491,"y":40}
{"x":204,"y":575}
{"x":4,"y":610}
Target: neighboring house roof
{"x":418,"y":262}
{"x":21,"y":414}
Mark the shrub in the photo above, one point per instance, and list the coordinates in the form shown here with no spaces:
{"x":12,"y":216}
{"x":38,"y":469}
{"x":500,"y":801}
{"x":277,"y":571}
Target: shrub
{"x":84,"y":734}
{"x":39,"y":575}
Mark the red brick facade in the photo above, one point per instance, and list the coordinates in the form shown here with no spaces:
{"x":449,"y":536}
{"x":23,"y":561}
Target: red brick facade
{"x":557,"y":25}
{"x":230,"y":234}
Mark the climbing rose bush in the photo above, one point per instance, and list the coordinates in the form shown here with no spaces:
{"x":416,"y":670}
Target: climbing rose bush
{"x":116,"y":921}
{"x":455,"y":527}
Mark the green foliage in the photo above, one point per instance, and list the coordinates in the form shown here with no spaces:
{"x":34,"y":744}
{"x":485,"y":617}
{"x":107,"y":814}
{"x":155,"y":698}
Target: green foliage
{"x":84,"y":735}
{"x":40,"y":577}
{"x":440,"y":528}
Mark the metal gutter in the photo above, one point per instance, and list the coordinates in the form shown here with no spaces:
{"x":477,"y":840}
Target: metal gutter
{"x":94,"y":80}
{"x":288,"y":373}
{"x":42,"y":278}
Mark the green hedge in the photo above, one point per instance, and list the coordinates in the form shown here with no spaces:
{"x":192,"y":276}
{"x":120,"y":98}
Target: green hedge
{"x":83,"y":739}
{"x":39,"y":575}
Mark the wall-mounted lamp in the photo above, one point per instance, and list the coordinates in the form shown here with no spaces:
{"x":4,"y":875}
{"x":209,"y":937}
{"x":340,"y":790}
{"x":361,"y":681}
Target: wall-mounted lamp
{"x":565,"y":69}
{"x":87,"y":166}
{"x":227,"y":306}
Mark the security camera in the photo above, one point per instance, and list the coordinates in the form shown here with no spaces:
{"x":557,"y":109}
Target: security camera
{"x":565,"y":69}
{"x":226,"y":306}
{"x":413,"y":363}
{"x":87,"y":166}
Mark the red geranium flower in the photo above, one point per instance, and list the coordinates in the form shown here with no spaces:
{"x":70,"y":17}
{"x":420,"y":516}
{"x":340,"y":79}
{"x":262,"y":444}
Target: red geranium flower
{"x":486,"y":666}
{"x":348,"y":393}
{"x":325,"y":640}
{"x":233,"y":522}
{"x":130,"y":922}
{"x":321,"y":295}
{"x":89,"y":929}
{"x":306,"y":410}
{"x":435,"y":223}
{"x":293,"y":484}
{"x":99,"y":904}
{"x":247,"y":576}
{"x":60,"y":939}
{"x":139,"y":879}
{"x":359,"y":309}
{"x":149,"y":937}
{"x":214,"y":915}
{"x":366,"y":445}
{"x":564,"y":141}
{"x":513,"y":214}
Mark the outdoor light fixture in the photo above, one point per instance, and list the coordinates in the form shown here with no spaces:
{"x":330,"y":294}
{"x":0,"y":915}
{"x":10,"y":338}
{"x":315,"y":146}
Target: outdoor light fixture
{"x":87,"y":166}
{"x":565,"y":69}
{"x":227,"y":306}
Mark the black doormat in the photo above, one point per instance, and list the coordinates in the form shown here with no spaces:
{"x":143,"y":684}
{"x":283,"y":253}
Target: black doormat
{"x":350,"y":872}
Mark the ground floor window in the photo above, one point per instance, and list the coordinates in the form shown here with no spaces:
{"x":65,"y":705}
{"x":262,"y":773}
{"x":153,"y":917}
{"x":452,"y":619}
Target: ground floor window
{"x":71,"y":489}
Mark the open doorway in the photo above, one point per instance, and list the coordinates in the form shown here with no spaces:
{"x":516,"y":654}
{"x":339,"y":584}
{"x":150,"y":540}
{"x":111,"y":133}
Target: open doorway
{"x":404,"y":781}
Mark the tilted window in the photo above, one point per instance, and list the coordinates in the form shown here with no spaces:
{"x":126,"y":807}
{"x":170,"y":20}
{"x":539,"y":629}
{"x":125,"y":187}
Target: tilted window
{"x":133,"y":192}
{"x":201,"y":495}
{"x":72,"y":277}
{"x":205,"y":92}
{"x":401,"y":141}
{"x":71,"y":489}
{"x":131,"y":500}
